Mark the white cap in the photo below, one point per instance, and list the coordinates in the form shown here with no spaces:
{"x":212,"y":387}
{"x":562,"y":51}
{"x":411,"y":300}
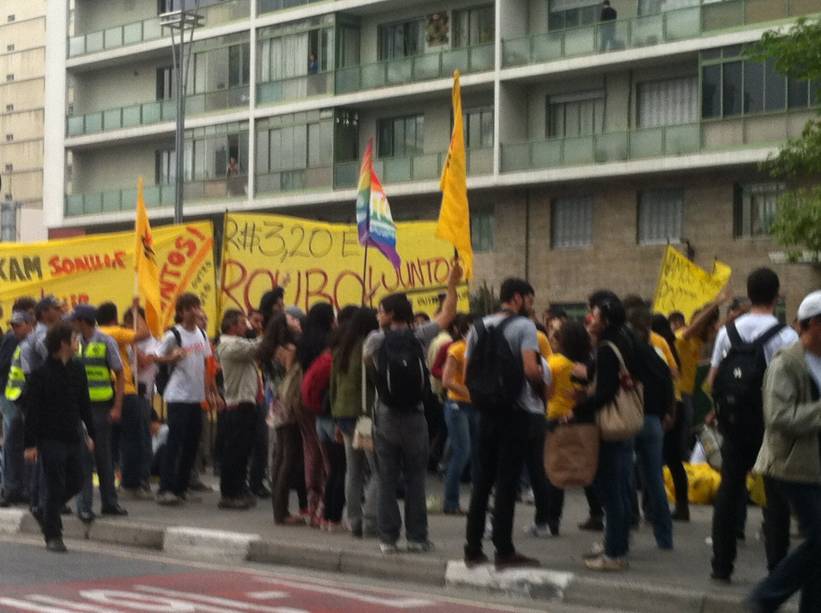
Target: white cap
{"x":810,"y":307}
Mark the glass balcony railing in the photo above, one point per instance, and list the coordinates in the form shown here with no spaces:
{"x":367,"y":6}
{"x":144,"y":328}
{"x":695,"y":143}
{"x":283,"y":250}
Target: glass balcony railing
{"x":156,"y":196}
{"x":424,"y":67}
{"x":149,"y":29}
{"x":302,"y":179}
{"x":648,"y":30}
{"x":154,"y":112}
{"x":296,"y":88}
{"x":267,"y":6}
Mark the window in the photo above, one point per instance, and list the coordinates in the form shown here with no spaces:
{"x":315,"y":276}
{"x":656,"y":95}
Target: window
{"x":660,"y":212}
{"x":10,"y":18}
{"x":482,"y":229}
{"x":222,"y":68}
{"x":9,"y":167}
{"x":10,"y":77}
{"x":571,"y":222}
{"x":668,"y":103}
{"x":572,"y":13}
{"x":479,"y":128}
{"x":575,"y":115}
{"x":401,"y":136}
{"x":165,"y":83}
{"x":165,"y":169}
{"x":755,"y":209}
{"x":474,"y":26}
{"x":9,"y":138}
{"x":654,"y":7}
{"x":9,"y":108}
{"x":400,"y":40}
{"x":10,"y":47}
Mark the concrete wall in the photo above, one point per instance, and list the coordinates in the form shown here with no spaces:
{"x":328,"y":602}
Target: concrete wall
{"x":115,"y":86}
{"x":112,"y":168}
{"x":23,"y":64}
{"x":94,"y":15}
{"x":21,"y":9}
{"x":22,"y":34}
{"x":24,"y":125}
{"x":22,"y":94}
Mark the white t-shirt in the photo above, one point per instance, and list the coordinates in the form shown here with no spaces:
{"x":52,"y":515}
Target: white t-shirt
{"x":147,"y":374}
{"x":187,"y":382}
{"x":750,"y":327}
{"x":814,"y":366}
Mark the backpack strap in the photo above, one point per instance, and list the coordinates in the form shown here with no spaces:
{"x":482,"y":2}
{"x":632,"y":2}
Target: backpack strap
{"x":734,"y":336}
{"x":769,"y":334}
{"x":177,"y":336}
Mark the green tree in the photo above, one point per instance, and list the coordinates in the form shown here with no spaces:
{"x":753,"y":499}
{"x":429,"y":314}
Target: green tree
{"x":797,"y":224}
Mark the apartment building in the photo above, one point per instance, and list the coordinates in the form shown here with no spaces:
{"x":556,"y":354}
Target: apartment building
{"x":22,"y":76}
{"x":591,"y":144}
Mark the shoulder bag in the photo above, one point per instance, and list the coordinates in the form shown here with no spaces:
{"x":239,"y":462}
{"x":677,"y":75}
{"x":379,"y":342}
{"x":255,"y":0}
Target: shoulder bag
{"x":623,"y":417}
{"x":363,"y":430}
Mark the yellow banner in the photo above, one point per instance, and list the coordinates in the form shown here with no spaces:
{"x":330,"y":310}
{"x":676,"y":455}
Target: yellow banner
{"x":685,"y":287}
{"x":317,"y":261}
{"x":99,"y":268}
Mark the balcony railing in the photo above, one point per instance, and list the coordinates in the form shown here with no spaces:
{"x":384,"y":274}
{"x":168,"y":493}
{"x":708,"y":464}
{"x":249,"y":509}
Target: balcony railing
{"x":154,"y":112}
{"x":424,"y":67}
{"x":267,"y":6}
{"x":296,"y":88}
{"x":648,"y":30}
{"x":302,"y":179}
{"x":156,"y":196}
{"x":149,"y":29}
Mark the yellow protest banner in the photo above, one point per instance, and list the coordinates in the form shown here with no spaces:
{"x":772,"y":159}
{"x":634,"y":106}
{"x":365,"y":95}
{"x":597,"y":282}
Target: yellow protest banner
{"x":318,"y":261}
{"x":685,"y":287}
{"x":100,"y":267}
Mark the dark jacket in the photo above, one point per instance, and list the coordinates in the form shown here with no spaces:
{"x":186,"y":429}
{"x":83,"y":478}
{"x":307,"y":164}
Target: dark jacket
{"x":606,"y":369}
{"x":7,"y":348}
{"x":56,"y":400}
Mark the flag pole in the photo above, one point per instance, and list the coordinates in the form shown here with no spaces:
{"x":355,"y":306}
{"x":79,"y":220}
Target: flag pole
{"x":365,"y":275}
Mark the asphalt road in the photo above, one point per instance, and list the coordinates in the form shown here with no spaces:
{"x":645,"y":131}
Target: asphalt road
{"x":95,"y":579}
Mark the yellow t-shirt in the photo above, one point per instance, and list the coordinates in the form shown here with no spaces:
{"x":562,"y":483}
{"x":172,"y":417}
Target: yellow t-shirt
{"x":124,"y":338}
{"x":660,"y":343}
{"x":544,"y":344}
{"x":457,"y":352}
{"x":561,"y":401}
{"x":689,"y":353}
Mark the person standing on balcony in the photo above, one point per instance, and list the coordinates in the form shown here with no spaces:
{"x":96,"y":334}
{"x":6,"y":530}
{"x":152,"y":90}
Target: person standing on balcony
{"x":607,"y":30}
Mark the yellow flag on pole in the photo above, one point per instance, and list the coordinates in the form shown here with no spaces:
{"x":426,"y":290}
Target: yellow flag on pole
{"x":146,"y":271}
{"x":454,"y":214}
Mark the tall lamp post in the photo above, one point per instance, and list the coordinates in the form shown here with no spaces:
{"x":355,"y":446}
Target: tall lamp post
{"x":181,"y":22}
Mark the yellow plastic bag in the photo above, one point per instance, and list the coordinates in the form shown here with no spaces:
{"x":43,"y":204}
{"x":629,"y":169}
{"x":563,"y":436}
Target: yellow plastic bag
{"x":703,"y":483}
{"x":755,"y":485}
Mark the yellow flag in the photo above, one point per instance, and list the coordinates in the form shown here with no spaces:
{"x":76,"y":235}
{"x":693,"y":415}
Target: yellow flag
{"x":454,"y":214}
{"x":721,"y":272}
{"x":147,"y":273}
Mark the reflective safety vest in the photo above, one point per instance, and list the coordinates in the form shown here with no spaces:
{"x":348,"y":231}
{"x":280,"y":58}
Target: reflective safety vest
{"x":94,"y":356}
{"x":16,"y":381}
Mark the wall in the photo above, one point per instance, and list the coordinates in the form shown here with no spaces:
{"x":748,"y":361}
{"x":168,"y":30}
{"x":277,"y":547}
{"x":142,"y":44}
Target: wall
{"x":116,"y":86}
{"x":24,"y":125}
{"x":112,"y":168}
{"x":23,"y":34}
{"x":21,"y":9}
{"x":93,"y":15}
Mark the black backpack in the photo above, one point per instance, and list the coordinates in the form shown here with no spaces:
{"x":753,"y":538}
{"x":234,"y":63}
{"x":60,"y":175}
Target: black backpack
{"x":402,"y":378}
{"x":738,"y":382}
{"x":659,"y":390}
{"x":164,"y":371}
{"x":495,"y":375}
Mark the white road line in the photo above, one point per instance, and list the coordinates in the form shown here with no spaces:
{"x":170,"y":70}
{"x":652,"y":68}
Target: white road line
{"x":401,"y":603}
{"x":215,"y":600}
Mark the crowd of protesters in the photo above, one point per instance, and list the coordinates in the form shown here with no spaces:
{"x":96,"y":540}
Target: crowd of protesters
{"x":351,"y":408}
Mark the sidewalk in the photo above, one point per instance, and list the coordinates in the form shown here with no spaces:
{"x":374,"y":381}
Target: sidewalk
{"x":677,"y":580}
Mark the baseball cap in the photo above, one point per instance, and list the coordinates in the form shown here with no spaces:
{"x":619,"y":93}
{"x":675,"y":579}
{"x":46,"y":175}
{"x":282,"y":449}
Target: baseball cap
{"x":86,"y":312}
{"x":810,"y":307}
{"x":20,"y":317}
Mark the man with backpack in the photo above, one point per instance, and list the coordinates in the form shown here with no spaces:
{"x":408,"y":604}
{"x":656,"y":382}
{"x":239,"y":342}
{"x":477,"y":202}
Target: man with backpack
{"x":742,"y":351}
{"x":397,"y":353}
{"x":502,"y":360}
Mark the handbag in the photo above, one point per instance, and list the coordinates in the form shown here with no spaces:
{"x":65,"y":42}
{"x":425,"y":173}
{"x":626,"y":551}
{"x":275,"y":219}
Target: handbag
{"x":571,"y":454}
{"x":363,"y":430}
{"x":623,"y":417}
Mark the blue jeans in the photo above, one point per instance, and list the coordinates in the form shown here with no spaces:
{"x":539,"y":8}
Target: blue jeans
{"x":801,"y":569}
{"x":649,"y":444}
{"x":614,"y":486}
{"x":13,"y":463}
{"x":462,"y":424}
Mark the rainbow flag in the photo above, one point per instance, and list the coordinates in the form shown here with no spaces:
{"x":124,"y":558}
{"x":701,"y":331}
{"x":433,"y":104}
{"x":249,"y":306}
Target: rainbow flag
{"x":373,"y":213}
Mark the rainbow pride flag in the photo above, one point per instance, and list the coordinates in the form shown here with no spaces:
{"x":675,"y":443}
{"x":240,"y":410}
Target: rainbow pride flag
{"x":373,"y":213}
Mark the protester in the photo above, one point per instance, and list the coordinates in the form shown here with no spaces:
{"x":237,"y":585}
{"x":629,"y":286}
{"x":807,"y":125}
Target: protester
{"x":789,"y":459}
{"x":397,"y":354}
{"x":503,"y":430}
{"x":57,"y":401}
{"x":743,"y":434}
{"x":258,"y":467}
{"x":100,"y":355}
{"x":420,"y":319}
{"x":607,"y":29}
{"x":271,"y":303}
{"x":349,"y":401}
{"x":434,"y":407}
{"x":237,"y":356}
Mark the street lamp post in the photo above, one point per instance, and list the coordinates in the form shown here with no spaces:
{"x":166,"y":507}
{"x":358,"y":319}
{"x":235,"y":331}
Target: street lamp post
{"x":181,"y":22}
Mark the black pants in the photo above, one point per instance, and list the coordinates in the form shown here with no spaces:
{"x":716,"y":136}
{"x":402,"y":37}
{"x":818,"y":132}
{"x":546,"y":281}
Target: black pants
{"x":674,"y":452}
{"x":259,"y":454}
{"x":239,"y":425}
{"x":335,"y":484}
{"x":502,"y":444}
{"x":184,"y":428}
{"x":738,"y":454}
{"x":287,"y":457}
{"x":62,"y":465}
{"x":776,"y":524}
{"x":534,"y":461}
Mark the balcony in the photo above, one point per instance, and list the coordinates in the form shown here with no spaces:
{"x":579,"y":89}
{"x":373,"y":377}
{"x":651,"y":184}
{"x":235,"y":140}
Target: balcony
{"x":295,"y":88}
{"x":426,"y":67}
{"x":648,"y":30}
{"x":149,"y":113}
{"x":298,"y":180}
{"x":268,"y":6}
{"x":149,"y":29}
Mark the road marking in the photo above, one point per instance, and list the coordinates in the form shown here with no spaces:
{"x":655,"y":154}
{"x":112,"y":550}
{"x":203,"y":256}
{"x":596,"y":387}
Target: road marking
{"x":73,"y":606}
{"x":215,"y":600}
{"x":402,"y":603}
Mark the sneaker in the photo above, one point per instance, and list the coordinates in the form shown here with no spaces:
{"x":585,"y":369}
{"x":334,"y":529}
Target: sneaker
{"x":388,"y":548}
{"x":604,"y":564}
{"x":235,"y":504}
{"x":261,"y":492}
{"x":473,"y":560}
{"x":420,"y":547}
{"x":538,"y":530}
{"x":86,"y":516}
{"x":595,"y":551}
{"x":136,"y":493}
{"x":199,"y":486}
{"x":115,"y":510}
{"x":168,"y":499}
{"x":515,"y":560}
{"x":56,"y":545}
{"x":593,"y":524}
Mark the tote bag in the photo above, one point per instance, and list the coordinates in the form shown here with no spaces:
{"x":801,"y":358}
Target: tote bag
{"x":571,"y":454}
{"x":623,"y":417}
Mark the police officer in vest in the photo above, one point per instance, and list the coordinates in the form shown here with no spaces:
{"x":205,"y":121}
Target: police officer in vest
{"x":14,"y":483}
{"x":100,"y":355}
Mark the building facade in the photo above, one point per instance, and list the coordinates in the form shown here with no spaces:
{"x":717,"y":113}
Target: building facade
{"x":591,"y":144}
{"x":22,"y":88}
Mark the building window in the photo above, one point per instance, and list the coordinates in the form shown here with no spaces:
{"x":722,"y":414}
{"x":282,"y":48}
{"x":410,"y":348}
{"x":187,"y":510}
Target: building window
{"x":474,"y":26}
{"x":165,"y":83}
{"x":660,"y":213}
{"x":222,"y":68}
{"x":572,"y":13}
{"x":482,"y":230}
{"x":9,"y":167}
{"x":575,"y":115}
{"x":755,"y":209}
{"x":668,"y":103}
{"x":10,"y":47}
{"x":10,"y":77}
{"x":9,"y":138}
{"x":398,"y":40}
{"x":292,"y":51}
{"x":401,"y":136}
{"x":654,"y":7}
{"x":11,"y":18}
{"x":9,"y":108}
{"x":165,"y":168}
{"x":478,"y":128}
{"x":571,"y":222}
